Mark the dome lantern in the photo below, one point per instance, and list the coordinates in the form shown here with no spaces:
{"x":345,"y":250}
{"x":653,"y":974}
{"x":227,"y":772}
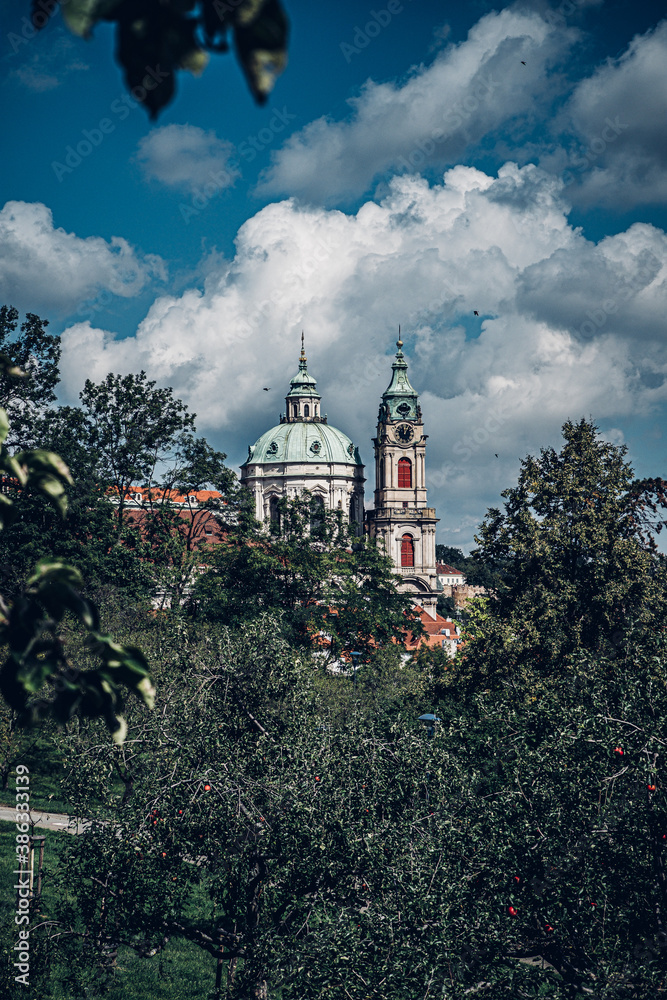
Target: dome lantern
{"x":302,"y":402}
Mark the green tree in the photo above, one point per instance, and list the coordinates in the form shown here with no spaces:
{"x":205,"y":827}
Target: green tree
{"x":38,"y":678}
{"x":133,"y":429}
{"x":88,"y":537}
{"x":478,"y":570}
{"x":36,"y":354}
{"x":577,"y":538}
{"x":519,"y":852}
{"x":448,"y":554}
{"x":336,"y":591}
{"x":179,"y":533}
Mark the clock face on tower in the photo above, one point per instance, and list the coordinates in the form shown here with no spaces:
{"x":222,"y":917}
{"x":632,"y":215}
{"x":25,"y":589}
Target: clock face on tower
{"x":404,"y":432}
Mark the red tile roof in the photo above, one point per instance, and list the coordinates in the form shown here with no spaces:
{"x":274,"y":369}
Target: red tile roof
{"x":434,"y":629}
{"x":445,"y":568}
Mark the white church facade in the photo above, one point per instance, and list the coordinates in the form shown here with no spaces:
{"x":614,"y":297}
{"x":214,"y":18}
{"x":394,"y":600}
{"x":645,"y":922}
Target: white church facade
{"x":304,"y":452}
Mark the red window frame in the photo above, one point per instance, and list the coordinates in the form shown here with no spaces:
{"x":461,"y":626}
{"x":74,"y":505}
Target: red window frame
{"x":404,"y":474}
{"x":407,"y":551}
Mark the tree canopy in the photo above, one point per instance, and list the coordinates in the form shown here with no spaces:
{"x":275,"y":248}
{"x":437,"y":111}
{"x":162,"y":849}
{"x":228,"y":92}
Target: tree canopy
{"x":577,"y":541}
{"x":336,"y":591}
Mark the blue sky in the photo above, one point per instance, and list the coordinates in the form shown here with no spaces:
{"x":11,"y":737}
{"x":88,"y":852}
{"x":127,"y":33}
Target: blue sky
{"x":417,"y":162}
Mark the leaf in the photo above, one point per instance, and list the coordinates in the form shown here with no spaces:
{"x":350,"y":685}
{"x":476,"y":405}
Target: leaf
{"x":146,"y":692}
{"x":118,"y":730}
{"x":55,"y":571}
{"x":261,"y":30}
{"x":81,"y":16}
{"x":195,"y":61}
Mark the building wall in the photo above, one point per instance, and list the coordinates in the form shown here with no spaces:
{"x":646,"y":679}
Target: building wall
{"x":338,"y":485}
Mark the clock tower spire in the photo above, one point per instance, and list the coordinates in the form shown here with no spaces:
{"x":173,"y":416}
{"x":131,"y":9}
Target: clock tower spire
{"x":401,"y":519}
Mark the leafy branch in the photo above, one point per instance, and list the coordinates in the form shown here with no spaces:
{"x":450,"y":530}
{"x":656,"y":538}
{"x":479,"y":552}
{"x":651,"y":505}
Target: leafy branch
{"x":29,"y":622}
{"x":156,"y":38}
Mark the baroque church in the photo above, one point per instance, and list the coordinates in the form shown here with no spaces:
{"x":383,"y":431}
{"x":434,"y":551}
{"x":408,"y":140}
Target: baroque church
{"x":304,"y":452}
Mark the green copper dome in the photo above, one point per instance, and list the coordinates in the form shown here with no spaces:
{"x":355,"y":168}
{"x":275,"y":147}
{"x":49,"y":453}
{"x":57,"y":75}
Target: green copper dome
{"x":303,"y":442}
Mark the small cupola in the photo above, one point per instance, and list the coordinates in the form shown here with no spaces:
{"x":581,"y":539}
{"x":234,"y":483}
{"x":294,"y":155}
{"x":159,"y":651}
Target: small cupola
{"x":302,"y":402}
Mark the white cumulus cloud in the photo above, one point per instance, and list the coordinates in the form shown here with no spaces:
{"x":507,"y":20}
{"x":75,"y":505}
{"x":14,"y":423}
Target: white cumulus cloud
{"x":427,"y":256}
{"x":187,"y":157}
{"x":46,"y":270}
{"x":619,"y":118}
{"x":468,"y":91}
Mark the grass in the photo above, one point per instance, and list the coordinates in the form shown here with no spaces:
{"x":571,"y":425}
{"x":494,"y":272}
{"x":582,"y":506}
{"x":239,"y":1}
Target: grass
{"x":182,"y":971}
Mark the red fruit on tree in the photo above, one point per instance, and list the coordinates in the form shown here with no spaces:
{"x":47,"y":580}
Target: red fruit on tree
{"x":516,"y":878}
{"x":619,"y":751}
{"x":207,"y":788}
{"x":316,"y":778}
{"x":548,"y":927}
{"x":651,"y":788}
{"x":511,"y":911}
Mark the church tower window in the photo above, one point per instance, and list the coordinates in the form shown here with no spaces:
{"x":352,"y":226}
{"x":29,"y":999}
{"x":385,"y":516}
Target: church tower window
{"x":407,"y":551}
{"x":404,"y":473}
{"x":306,"y":410}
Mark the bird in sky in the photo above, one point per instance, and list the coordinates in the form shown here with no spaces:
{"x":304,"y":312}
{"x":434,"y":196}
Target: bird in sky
{"x":267,"y":390}
{"x":475,"y":312}
{"x":522,"y":63}
{"x":496,"y":454}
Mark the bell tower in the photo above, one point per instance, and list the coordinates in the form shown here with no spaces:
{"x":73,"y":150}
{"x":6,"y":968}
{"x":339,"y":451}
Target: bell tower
{"x":401,"y":519}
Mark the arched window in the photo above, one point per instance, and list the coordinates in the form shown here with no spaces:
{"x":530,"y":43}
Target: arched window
{"x":306,"y":410}
{"x":317,"y":515}
{"x":407,"y":550}
{"x":296,"y":409}
{"x":274,"y":514}
{"x":404,"y":473}
{"x":353,"y":510}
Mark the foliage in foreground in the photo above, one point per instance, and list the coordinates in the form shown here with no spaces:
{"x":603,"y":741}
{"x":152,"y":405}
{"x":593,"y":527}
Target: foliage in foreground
{"x":38,"y":679}
{"x":348,"y":855}
{"x":156,"y":38}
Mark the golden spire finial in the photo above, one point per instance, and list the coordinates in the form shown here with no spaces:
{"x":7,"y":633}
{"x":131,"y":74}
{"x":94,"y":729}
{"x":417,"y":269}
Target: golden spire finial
{"x":303,"y":353}
{"x":399,"y":342}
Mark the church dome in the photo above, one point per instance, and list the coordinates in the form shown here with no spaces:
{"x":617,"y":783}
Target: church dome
{"x":303,"y":441}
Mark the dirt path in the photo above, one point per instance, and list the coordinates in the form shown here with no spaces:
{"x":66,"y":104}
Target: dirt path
{"x":44,"y":819}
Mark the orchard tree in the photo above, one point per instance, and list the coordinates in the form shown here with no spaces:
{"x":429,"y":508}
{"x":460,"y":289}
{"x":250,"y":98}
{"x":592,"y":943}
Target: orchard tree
{"x":519,"y":852}
{"x":577,"y":538}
